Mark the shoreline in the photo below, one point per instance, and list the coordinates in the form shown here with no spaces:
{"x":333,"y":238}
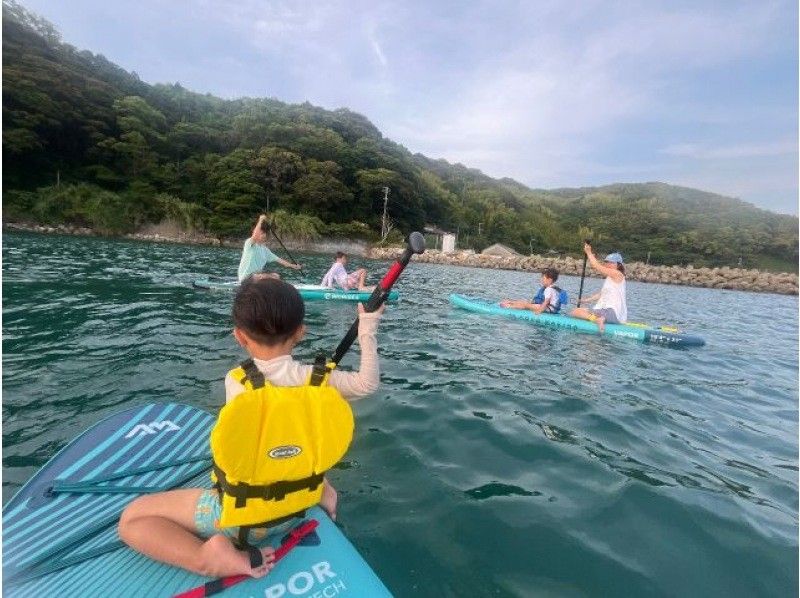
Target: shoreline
{"x":739,"y":279}
{"x":756,"y":281}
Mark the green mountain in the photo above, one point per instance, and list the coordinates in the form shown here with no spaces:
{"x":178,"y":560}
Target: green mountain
{"x":89,"y":143}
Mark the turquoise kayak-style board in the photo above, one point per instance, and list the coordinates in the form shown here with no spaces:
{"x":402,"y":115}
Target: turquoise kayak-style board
{"x":644,"y":334}
{"x":60,"y":536}
{"x":309,"y":292}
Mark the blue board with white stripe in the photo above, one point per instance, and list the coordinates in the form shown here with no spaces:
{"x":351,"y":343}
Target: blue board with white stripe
{"x":59,"y":530}
{"x":644,"y":334}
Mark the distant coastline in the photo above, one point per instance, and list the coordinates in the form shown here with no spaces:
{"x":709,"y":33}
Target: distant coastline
{"x":783,"y":283}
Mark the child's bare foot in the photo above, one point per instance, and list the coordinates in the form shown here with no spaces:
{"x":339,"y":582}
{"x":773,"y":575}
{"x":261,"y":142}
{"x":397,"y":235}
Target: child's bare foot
{"x":601,"y":324}
{"x":329,"y":500}
{"x":221,"y":558}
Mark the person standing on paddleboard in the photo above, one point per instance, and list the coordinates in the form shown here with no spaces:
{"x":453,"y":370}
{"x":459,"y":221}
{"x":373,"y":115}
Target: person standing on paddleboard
{"x":611,"y":306}
{"x":256,"y":255}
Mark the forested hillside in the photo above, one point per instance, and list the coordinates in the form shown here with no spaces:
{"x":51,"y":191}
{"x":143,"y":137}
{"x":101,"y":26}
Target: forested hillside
{"x":88,"y":143}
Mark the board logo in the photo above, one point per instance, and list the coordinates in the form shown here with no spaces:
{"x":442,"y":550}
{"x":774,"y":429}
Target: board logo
{"x":284,"y":452}
{"x":153,"y":428}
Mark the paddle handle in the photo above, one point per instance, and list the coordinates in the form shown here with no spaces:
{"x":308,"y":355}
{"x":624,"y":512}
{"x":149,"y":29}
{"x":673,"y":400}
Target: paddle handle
{"x":416,"y":244}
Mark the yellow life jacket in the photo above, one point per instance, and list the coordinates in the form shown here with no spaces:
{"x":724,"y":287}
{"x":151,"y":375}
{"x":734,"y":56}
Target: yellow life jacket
{"x":272,"y":445}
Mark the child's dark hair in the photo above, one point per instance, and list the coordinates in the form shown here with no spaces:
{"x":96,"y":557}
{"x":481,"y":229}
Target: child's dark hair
{"x":340,"y":254}
{"x":621,"y":268}
{"x":268,"y":310}
{"x":551,"y":273}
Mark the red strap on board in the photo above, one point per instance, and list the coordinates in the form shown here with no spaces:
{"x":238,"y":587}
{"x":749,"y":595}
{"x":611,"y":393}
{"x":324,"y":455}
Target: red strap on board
{"x":210,"y":588}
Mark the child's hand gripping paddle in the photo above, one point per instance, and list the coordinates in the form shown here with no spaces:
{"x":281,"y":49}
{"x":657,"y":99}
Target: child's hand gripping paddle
{"x":416,"y":244}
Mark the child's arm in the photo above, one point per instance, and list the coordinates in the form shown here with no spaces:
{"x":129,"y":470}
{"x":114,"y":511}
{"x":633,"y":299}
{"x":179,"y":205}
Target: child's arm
{"x":257,"y":228}
{"x":354,"y":385}
{"x":590,"y":299}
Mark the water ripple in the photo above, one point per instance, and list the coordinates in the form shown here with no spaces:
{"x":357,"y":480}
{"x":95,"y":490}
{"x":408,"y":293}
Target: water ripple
{"x":497,"y":458}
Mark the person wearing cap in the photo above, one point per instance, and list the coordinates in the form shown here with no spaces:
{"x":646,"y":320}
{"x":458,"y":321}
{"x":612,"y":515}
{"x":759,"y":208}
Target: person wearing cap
{"x":256,"y":255}
{"x":611,"y":306}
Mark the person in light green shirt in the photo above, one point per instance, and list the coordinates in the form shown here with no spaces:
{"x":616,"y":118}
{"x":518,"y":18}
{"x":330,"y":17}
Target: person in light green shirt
{"x":256,"y":254}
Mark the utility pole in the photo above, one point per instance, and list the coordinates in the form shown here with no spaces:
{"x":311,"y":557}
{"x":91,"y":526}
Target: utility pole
{"x":480,"y":224}
{"x":647,"y":263}
{"x":384,"y":221}
{"x":530,"y":246}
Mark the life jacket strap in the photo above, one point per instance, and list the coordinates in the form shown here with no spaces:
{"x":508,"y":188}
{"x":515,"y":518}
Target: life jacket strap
{"x":275,"y":491}
{"x":320,"y":370}
{"x":252,"y":373}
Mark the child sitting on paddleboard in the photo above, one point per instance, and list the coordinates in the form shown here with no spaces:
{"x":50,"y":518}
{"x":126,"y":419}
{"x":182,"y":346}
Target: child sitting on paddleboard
{"x":337,"y":275}
{"x":548,"y":299}
{"x":179,"y":527}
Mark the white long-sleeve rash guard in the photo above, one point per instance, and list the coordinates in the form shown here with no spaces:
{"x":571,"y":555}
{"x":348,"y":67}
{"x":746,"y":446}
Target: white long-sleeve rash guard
{"x":285,"y":371}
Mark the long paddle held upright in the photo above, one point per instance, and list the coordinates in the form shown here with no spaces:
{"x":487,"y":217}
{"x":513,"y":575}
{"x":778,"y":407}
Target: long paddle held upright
{"x":275,"y":234}
{"x":583,"y":274}
{"x":416,"y":244}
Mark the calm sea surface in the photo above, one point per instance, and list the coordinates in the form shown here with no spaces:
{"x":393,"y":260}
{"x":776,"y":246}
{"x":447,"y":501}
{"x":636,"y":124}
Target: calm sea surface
{"x":498,"y":458}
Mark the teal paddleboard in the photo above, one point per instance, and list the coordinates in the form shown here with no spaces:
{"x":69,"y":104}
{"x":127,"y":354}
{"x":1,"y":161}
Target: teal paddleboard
{"x":656,"y":336}
{"x":309,"y":292}
{"x":59,"y":530}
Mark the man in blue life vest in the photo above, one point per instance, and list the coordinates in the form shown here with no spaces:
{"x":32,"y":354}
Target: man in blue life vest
{"x":548,"y":299}
{"x":256,"y":254}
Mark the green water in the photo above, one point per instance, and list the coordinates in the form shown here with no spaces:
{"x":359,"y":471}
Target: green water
{"x":498,"y":458}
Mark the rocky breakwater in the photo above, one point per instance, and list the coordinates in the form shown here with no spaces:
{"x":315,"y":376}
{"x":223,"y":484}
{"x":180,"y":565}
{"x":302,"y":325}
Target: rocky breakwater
{"x":716,"y":278}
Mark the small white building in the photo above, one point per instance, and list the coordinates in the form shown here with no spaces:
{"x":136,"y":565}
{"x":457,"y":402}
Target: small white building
{"x":442,"y":239}
{"x":448,"y":243}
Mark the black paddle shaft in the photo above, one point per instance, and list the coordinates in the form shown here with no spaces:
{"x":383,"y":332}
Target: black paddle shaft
{"x":274,"y":234}
{"x":583,"y":275}
{"x":416,"y":244}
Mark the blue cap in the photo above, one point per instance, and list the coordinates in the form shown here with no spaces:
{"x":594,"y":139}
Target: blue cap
{"x":614,"y":257}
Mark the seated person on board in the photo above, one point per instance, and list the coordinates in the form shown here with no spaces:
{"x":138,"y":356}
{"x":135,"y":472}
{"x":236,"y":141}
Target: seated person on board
{"x":183,"y":527}
{"x":612,"y":305}
{"x":548,"y":299}
{"x":338,"y":276}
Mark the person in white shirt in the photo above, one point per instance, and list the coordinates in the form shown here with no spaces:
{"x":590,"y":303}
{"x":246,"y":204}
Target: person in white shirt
{"x":611,"y":306}
{"x":337,"y":275}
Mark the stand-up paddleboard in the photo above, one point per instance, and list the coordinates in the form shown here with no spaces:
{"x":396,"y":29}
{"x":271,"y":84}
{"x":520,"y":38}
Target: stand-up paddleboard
{"x":309,"y":292}
{"x":59,"y":530}
{"x":643,"y":334}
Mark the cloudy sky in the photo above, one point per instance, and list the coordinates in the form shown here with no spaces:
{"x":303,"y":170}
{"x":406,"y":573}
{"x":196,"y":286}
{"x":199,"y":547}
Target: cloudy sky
{"x":551,"y":93}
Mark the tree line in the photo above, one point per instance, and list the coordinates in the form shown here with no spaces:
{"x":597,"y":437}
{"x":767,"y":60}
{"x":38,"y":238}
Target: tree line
{"x":89,"y":143}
